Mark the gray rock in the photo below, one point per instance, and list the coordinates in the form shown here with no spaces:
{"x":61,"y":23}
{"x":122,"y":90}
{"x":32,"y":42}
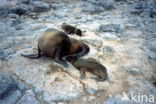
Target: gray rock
{"x":55,"y":6}
{"x":152,"y":45}
{"x":145,"y":9}
{"x":28,"y":98}
{"x":115,"y":100}
{"x":40,"y":6}
{"x":19,"y":27}
{"x":3,"y":12}
{"x":91,"y":98}
{"x":22,"y":86}
{"x":153,"y":9}
{"x":142,"y":5}
{"x":110,"y":28}
{"x":62,"y":89}
{"x":7,"y":53}
{"x":108,"y":51}
{"x":133,"y":70}
{"x":12,"y":98}
{"x":94,"y":42}
{"x":109,"y":36}
{"x":7,"y":85}
{"x":11,"y":15}
{"x":21,"y":9}
{"x":58,"y":86}
{"x":84,"y":99}
{"x":60,"y":14}
{"x":104,"y":3}
{"x":120,"y":0}
{"x":152,"y":56}
{"x":92,"y":8}
{"x":15,"y":22}
{"x":89,"y":8}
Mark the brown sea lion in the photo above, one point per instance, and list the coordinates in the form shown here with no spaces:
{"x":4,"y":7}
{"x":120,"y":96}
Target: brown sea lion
{"x":52,"y":43}
{"x":71,"y":29}
{"x":87,"y":65}
{"x":78,"y":48}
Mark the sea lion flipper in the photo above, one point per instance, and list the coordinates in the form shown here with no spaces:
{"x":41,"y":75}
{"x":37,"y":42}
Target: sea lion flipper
{"x":57,"y":54}
{"x":62,"y":62}
{"x":82,"y":72}
{"x":32,"y":56}
{"x":99,"y":79}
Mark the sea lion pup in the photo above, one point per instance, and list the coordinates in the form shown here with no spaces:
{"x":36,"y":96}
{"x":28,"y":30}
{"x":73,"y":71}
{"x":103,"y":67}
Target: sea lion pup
{"x":87,"y":65}
{"x":52,"y":43}
{"x":71,"y":29}
{"x":78,"y":48}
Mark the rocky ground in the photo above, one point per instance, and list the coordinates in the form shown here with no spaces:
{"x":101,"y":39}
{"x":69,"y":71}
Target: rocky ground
{"x":121,"y":35}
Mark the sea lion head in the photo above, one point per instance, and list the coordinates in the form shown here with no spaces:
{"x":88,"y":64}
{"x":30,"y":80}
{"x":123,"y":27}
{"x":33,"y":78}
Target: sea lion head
{"x":78,"y":32}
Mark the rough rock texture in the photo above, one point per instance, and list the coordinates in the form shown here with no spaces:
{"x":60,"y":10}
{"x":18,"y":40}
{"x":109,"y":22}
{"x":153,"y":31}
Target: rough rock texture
{"x":121,"y":35}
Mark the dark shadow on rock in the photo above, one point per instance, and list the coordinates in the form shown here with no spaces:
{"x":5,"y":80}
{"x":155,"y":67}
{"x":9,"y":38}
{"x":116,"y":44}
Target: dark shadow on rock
{"x":7,"y":85}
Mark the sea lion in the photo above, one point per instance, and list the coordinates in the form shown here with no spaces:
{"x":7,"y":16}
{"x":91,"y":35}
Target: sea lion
{"x":52,"y":43}
{"x":71,"y":29}
{"x":87,"y":65}
{"x":78,"y":48}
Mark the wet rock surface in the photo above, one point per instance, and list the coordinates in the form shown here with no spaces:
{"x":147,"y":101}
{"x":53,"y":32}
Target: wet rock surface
{"x":122,"y":38}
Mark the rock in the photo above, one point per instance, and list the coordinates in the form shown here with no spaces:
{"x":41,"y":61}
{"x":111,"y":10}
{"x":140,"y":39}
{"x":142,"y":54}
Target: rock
{"x":27,"y":2}
{"x":92,"y":8}
{"x":142,"y":5}
{"x":12,"y":98}
{"x":109,"y":36}
{"x":110,"y":28}
{"x":62,"y":89}
{"x":1,"y":64}
{"x":28,"y":98}
{"x":91,"y":98}
{"x":7,"y":85}
{"x":91,"y":86}
{"x":21,"y":9}
{"x":22,"y":86}
{"x":152,"y":56}
{"x":153,"y":9}
{"x":133,"y":70}
{"x":89,"y":8}
{"x":54,"y":86}
{"x":11,"y":15}
{"x":55,"y":6}
{"x":115,"y":100}
{"x":60,"y":14}
{"x":18,"y":27}
{"x":104,"y":3}
{"x":2,"y":28}
{"x":145,"y":9}
{"x":84,"y":99}
{"x":7,"y":53}
{"x":94,"y":42}
{"x":152,"y":45}
{"x":3,"y":12}
{"x":15,"y":22}
{"x":108,"y":51}
{"x":40,"y":6}
{"x":153,"y":13}
{"x":120,"y":0}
